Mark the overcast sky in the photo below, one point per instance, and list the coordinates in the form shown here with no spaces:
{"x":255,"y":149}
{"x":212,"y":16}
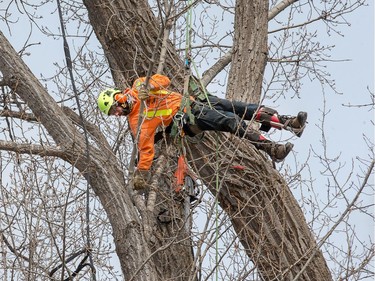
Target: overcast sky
{"x":346,"y":124}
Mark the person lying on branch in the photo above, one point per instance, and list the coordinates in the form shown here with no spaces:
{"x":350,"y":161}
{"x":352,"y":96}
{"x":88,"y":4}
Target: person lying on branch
{"x":209,"y":113}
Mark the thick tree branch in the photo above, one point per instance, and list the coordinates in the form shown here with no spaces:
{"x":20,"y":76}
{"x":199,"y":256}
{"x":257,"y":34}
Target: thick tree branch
{"x":279,"y":8}
{"x":214,"y":70}
{"x":263,"y":211}
{"x":20,"y":115}
{"x":107,"y":180}
{"x":22,"y":81}
{"x":35,"y":149}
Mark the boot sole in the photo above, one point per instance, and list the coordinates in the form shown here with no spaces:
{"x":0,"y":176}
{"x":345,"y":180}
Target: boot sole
{"x":288,"y":148}
{"x":301,"y":117}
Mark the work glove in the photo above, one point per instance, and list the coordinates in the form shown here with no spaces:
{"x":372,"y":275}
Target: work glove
{"x":143,"y":93}
{"x":140,"y":179}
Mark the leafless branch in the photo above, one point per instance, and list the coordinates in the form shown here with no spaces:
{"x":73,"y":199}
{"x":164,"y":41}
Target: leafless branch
{"x":279,"y":8}
{"x":20,"y":115}
{"x":339,"y":221}
{"x":34,"y":149}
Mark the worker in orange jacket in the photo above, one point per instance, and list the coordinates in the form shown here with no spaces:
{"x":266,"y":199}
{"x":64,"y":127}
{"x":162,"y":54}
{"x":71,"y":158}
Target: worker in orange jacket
{"x":210,"y":113}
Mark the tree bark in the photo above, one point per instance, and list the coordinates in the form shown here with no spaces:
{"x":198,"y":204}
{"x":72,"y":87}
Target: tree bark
{"x":128,"y":31}
{"x":106,"y":179}
{"x":249,"y":51}
{"x":255,"y":209}
{"x":264,"y":213}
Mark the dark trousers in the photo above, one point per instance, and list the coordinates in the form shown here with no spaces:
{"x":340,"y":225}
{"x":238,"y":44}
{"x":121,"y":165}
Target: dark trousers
{"x":215,"y":114}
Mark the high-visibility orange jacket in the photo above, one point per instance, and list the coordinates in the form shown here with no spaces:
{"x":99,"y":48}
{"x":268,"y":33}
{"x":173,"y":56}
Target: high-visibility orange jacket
{"x":160,"y":108}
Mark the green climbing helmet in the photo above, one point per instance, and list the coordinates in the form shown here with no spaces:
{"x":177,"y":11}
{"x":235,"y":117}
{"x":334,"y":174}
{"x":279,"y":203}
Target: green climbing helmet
{"x":106,"y":99}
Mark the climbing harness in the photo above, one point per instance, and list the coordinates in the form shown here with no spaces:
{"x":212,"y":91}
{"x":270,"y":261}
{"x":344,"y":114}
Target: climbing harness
{"x":185,"y":184}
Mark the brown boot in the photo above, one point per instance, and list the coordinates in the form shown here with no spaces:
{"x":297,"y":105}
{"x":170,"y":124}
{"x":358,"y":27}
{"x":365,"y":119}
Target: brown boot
{"x":140,"y":179}
{"x":276,"y":151}
{"x":295,"y":124}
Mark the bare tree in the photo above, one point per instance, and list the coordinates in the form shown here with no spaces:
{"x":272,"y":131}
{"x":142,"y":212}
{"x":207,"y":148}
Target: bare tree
{"x":53,"y":156}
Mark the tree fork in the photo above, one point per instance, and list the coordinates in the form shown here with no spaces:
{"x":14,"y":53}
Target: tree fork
{"x":236,"y":187}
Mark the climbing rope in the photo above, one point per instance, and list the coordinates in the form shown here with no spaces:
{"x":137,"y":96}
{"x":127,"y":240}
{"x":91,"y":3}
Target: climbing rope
{"x":186,"y":95}
{"x":200,"y":93}
{"x":194,"y":88}
{"x":185,"y":106}
{"x":69,"y":65}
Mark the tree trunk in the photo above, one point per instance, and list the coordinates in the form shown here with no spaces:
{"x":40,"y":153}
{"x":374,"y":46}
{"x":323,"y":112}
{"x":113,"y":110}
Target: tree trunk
{"x":268,"y":195}
{"x":128,"y":31}
{"x":135,"y":39}
{"x":264,"y":213}
{"x":105,"y":177}
{"x":249,"y":51}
